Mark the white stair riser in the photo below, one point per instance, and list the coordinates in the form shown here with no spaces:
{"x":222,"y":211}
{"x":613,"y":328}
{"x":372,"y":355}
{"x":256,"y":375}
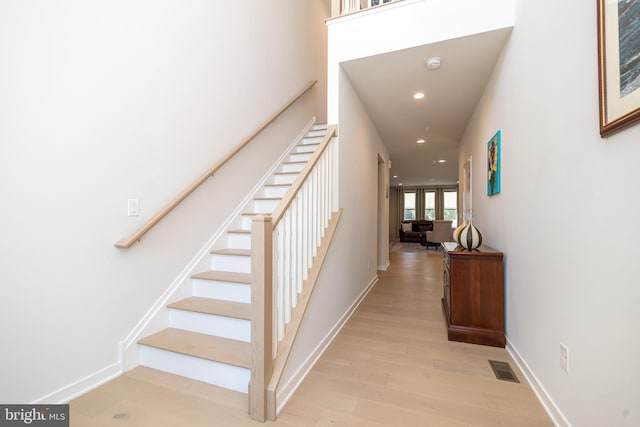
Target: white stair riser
{"x":291,"y":167}
{"x":262,"y":206}
{"x":320,"y":126}
{"x":245,"y":224}
{"x":312,"y":140}
{"x":235,"y":263}
{"x":279,"y":191}
{"x":238,"y":241}
{"x":313,"y":143}
{"x":310,"y":148}
{"x":315,"y":133}
{"x":299,"y":157}
{"x":284,"y":179}
{"x":216,"y":373}
{"x":227,"y":291}
{"x":211,"y":324}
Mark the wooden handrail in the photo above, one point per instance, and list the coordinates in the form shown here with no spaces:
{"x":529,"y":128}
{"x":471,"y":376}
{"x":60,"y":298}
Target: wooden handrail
{"x":137,"y":235}
{"x":302,"y":176}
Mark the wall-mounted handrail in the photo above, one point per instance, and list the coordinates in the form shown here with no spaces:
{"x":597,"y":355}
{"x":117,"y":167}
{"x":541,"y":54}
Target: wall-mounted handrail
{"x":137,"y":235}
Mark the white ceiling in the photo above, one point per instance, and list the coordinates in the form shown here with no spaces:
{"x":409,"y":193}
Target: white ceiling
{"x":386,"y":84}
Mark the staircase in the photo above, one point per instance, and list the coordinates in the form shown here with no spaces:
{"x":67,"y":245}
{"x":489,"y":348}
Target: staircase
{"x":209,"y":333}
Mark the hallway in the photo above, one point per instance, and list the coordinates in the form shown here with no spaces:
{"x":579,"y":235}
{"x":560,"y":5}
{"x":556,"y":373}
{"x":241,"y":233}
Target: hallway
{"x":391,"y":365}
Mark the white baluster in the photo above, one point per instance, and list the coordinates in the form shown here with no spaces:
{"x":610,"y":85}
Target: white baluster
{"x":299,"y":263}
{"x":294,"y":253}
{"x":303,"y":235}
{"x":287,"y":267}
{"x":280,"y":306}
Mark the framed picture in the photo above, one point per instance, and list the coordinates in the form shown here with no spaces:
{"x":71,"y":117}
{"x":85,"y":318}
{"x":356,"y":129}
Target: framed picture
{"x":618,"y":64}
{"x":493,"y":165}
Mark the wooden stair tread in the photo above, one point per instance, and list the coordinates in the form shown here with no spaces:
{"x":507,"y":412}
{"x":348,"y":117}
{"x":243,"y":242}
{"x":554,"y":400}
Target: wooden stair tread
{"x":300,"y":162}
{"x":238,"y":310}
{"x":255,"y":213}
{"x":235,"y":252}
{"x":277,"y":185}
{"x":286,"y":173}
{"x":267,"y":198}
{"x":202,"y":346}
{"x":224,"y":276}
{"x":239,"y":231}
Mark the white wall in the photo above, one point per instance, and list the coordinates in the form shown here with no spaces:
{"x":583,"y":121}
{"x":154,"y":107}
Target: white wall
{"x":352,"y":261}
{"x":102,"y":101}
{"x":564,"y":216}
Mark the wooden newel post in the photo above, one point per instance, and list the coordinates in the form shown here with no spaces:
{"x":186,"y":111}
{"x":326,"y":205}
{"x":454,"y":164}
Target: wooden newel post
{"x":261,"y":315}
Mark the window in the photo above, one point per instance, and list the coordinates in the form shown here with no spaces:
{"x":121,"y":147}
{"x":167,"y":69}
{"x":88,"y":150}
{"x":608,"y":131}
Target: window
{"x":409,"y":206}
{"x":451,"y":206}
{"x":430,"y":205}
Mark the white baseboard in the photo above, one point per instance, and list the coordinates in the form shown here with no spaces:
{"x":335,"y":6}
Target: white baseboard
{"x":545,"y":399}
{"x":82,"y":386}
{"x":284,"y":393}
{"x":384,"y":266}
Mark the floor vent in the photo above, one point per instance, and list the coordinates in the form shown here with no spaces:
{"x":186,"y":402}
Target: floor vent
{"x":503,"y":371}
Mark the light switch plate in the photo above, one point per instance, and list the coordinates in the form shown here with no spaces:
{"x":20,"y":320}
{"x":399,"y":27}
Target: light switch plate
{"x":133,"y":206}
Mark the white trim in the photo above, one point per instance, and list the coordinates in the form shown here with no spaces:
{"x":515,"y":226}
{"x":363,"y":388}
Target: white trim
{"x":82,"y":386}
{"x":284,"y":393}
{"x":545,"y":399}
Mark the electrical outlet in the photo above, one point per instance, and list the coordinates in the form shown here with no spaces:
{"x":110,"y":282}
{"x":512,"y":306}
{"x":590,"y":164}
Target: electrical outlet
{"x":564,"y":357}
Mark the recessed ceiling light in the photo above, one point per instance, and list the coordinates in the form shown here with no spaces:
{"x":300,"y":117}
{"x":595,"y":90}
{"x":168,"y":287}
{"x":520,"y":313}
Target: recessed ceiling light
{"x":418,"y":95}
{"x":400,"y":184}
{"x":433,"y":63}
{"x":442,"y":161}
{"x":420,"y":141}
{"x":395,"y":176}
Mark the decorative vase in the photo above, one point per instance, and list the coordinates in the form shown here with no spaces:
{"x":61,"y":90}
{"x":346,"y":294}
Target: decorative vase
{"x":469,"y":237}
{"x":457,"y":231}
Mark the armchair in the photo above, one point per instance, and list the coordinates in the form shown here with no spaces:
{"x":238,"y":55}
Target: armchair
{"x":442,"y":232}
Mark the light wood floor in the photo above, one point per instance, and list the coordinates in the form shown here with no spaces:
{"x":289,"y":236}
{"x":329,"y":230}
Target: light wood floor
{"x":391,"y":365}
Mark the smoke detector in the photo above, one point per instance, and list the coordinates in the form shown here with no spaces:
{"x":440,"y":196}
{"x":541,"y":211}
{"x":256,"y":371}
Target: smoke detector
{"x":433,"y":63}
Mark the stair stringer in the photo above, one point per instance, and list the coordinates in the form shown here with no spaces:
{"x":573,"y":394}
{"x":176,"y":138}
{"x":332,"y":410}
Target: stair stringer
{"x":157,"y":317}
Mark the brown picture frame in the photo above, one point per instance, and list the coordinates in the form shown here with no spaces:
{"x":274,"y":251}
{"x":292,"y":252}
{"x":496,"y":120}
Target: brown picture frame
{"x":619,"y":99}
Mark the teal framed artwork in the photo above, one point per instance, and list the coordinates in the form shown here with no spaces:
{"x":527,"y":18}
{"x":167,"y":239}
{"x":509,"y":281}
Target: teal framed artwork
{"x":493,"y":165}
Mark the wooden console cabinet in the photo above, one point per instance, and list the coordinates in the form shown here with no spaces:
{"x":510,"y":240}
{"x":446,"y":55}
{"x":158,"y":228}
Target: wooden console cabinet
{"x":473,"y":301}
